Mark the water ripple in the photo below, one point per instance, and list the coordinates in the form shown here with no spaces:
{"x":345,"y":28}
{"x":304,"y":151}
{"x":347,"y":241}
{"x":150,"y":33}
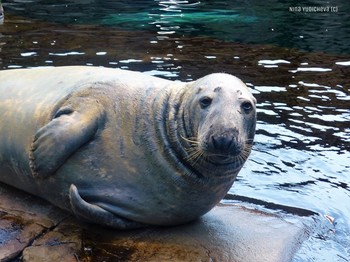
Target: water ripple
{"x":310,"y":69}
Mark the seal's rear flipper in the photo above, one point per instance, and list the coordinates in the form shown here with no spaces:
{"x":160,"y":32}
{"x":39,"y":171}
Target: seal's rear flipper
{"x":72,"y":127}
{"x":95,"y":214}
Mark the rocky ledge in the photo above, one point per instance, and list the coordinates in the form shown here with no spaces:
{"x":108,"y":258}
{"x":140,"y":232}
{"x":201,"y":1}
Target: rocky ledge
{"x":33,"y":230}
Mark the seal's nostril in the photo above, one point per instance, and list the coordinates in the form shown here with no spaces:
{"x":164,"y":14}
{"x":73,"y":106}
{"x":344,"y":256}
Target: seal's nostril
{"x":222,"y":143}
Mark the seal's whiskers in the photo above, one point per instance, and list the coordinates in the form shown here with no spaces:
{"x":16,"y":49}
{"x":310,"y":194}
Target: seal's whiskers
{"x":194,"y":151}
{"x":194,"y":155}
{"x":191,"y":140}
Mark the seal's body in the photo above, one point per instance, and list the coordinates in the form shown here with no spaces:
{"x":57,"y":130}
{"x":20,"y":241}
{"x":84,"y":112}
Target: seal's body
{"x":122,"y":148}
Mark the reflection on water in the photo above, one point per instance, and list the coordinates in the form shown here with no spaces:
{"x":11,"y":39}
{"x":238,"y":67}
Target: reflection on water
{"x":248,"y":21}
{"x":301,"y":155}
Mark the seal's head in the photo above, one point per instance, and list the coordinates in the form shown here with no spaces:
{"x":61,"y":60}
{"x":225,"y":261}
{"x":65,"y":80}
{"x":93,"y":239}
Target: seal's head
{"x":222,"y":119}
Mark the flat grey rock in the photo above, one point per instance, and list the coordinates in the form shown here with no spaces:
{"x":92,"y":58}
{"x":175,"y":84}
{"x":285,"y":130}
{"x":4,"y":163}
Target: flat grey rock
{"x":228,"y":233}
{"x":33,"y":230}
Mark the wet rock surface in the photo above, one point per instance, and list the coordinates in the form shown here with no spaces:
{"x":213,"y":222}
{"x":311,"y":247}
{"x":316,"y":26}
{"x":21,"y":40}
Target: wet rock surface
{"x":33,"y":230}
{"x":15,"y":235}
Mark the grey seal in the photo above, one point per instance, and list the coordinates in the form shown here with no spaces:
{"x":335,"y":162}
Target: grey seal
{"x":122,"y":148}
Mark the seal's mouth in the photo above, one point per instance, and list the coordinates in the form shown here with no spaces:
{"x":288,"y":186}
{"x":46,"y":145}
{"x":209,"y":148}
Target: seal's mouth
{"x":233,"y":155}
{"x":224,"y":159}
{"x":216,"y":150}
{"x":101,"y":213}
{"x":223,"y":152}
{"x":220,"y":158}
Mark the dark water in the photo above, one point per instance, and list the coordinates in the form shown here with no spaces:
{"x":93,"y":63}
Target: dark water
{"x":297,"y":64}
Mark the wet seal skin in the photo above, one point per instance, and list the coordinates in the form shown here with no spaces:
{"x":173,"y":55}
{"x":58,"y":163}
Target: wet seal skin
{"x":121,"y":148}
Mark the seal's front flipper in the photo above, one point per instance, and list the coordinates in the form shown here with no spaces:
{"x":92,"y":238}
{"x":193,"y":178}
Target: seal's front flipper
{"x":72,"y":127}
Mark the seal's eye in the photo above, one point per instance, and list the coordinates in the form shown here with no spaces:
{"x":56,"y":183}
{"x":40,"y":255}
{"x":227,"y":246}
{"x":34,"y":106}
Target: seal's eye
{"x":247,"y":106}
{"x":205,"y":101}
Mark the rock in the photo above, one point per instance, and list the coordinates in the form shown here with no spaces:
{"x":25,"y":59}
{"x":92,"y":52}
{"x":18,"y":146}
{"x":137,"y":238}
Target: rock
{"x":15,"y":235}
{"x":228,"y":233}
{"x":57,"y":253}
{"x":61,"y":244}
{"x":32,"y":229}
{"x":29,"y":208}
{"x":23,"y":219}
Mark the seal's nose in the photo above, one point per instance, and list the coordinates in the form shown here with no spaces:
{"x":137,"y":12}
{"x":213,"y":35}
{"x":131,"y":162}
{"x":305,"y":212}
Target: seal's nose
{"x":224,"y":142}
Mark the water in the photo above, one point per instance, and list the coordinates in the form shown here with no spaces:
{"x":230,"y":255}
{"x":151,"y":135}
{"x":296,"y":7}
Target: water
{"x":296,"y":63}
